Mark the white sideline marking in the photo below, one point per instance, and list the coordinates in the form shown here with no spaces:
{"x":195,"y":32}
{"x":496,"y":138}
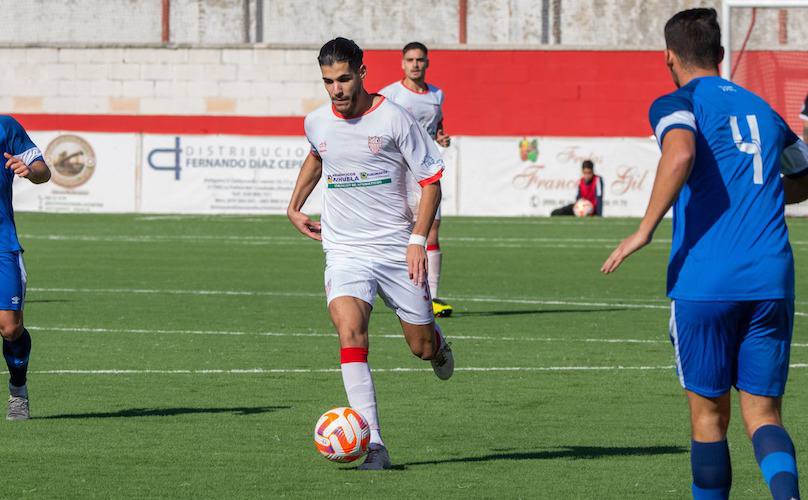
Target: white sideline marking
{"x":330,"y":335}
{"x":270,"y":371}
{"x":265,"y":293}
{"x":154,"y":238}
{"x":238,"y":293}
{"x":336,"y":370}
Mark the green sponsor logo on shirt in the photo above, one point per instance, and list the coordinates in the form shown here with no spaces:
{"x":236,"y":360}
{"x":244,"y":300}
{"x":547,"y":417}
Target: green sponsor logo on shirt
{"x":334,"y":185}
{"x":363,"y":179}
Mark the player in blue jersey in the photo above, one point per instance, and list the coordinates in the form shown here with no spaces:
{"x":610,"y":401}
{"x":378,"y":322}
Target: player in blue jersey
{"x":731,"y":270}
{"x":23,"y":159}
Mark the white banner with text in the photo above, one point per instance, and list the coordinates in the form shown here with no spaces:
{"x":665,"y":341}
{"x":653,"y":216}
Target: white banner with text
{"x":228,"y":174}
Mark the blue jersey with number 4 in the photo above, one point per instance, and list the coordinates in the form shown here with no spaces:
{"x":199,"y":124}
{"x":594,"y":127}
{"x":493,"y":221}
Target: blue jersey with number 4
{"x":730,"y":240}
{"x":14,"y":141}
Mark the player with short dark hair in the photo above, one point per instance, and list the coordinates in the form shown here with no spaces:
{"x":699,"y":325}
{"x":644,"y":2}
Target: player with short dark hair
{"x":425,"y":102}
{"x":23,"y":159}
{"x":731,"y":268}
{"x":590,"y":188}
{"x":363,"y":147}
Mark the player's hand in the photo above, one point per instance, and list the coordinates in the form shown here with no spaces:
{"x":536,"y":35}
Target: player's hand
{"x":304,"y":224}
{"x":626,"y":247}
{"x":442,"y":139}
{"x":417,"y":263}
{"x":17,"y":166}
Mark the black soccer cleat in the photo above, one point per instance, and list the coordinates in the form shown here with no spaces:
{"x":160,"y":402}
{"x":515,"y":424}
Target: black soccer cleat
{"x":377,"y":458}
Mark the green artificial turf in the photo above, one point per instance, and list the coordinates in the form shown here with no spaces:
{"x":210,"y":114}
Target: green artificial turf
{"x":155,"y":340}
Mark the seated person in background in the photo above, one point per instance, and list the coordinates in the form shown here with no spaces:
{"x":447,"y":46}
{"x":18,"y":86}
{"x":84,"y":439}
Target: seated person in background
{"x":804,"y":116}
{"x":590,"y":188}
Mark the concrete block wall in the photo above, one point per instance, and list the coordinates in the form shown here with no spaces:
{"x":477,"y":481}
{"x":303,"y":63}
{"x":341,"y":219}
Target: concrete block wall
{"x":572,"y":23}
{"x":186,"y":81}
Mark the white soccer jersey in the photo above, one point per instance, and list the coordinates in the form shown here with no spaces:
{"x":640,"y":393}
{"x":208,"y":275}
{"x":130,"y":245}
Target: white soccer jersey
{"x":365,"y":162}
{"x":425,"y":106}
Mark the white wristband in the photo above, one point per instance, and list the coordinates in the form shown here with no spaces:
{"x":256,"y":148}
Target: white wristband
{"x":417,"y":239}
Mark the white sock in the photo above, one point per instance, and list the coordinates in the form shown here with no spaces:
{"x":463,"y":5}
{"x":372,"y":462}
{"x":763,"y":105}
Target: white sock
{"x":359,"y":388}
{"x":18,"y":392}
{"x":434,"y":258}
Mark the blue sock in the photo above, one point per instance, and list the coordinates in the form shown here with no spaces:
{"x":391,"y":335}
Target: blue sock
{"x":16,"y":354}
{"x":775,"y":455}
{"x":712,"y":470}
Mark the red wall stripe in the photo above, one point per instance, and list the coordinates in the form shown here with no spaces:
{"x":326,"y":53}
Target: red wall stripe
{"x":488,"y":93}
{"x":166,"y":124}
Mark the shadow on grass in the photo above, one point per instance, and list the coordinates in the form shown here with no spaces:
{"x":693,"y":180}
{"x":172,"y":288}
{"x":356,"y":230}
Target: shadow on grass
{"x":564,"y":452}
{"x":534,"y":311}
{"x":167,"y":412}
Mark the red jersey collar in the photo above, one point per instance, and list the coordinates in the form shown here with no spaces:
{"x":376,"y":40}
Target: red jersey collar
{"x":420,"y":92}
{"x":372,"y":108}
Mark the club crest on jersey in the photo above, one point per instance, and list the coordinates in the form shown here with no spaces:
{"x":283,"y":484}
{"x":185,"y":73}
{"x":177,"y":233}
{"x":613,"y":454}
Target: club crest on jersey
{"x":322,"y":147}
{"x":375,"y":144}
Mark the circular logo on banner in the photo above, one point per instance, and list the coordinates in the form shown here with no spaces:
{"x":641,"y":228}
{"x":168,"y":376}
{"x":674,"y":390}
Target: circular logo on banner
{"x":71,"y":159}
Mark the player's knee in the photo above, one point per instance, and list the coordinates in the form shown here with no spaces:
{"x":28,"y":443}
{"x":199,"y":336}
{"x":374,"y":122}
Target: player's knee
{"x":351,"y":336}
{"x":11,"y":328}
{"x":711,"y":425}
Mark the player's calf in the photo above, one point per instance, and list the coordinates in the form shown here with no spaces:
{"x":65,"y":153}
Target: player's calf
{"x":421,"y":339}
{"x":774,"y":449}
{"x":776,"y":457}
{"x":712,"y":470}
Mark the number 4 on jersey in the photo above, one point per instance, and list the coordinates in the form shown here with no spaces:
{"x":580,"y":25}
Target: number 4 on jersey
{"x":753,"y":148}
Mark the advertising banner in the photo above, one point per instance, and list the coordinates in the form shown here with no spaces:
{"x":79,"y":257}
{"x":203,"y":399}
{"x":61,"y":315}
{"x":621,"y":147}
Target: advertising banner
{"x":90,"y":172}
{"x":533,"y":176}
{"x":219,"y":174}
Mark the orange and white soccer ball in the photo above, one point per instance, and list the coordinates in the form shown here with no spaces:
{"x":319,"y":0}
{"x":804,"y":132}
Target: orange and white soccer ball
{"x":342,"y":435}
{"x":583,"y":208}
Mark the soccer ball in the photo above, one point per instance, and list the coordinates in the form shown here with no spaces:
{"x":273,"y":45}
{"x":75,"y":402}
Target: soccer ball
{"x":583,"y":208}
{"x":342,"y":435}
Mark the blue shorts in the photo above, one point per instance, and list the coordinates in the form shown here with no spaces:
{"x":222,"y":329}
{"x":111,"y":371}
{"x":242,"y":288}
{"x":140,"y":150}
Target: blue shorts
{"x":723,"y":344}
{"x":12,"y":281}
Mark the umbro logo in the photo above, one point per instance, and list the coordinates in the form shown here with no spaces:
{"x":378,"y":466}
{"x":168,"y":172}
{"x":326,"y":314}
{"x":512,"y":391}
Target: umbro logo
{"x":727,"y":88}
{"x":15,"y":300}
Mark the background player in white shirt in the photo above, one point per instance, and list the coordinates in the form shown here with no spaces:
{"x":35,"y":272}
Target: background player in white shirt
{"x":363,"y":147}
{"x":425,"y":102}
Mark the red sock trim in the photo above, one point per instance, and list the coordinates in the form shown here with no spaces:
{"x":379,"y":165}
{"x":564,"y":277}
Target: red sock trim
{"x":353,"y":355}
{"x":432,"y":248}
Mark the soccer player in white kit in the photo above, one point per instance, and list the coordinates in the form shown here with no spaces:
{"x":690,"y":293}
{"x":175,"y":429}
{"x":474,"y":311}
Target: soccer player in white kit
{"x":362,"y":146}
{"x":425,"y":102}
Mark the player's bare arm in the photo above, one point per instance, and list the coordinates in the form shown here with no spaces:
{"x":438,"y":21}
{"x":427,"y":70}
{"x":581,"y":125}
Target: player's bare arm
{"x":306,"y":182}
{"x":416,"y":251}
{"x":795,"y":189}
{"x":678,"y":153}
{"x":37,"y":172}
{"x":441,"y":137}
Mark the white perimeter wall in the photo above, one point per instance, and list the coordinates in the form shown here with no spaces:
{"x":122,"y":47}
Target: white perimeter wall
{"x":581,"y":23}
{"x":182,"y":81}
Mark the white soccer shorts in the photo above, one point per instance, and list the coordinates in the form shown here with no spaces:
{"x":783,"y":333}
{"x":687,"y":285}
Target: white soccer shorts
{"x":363,"y":278}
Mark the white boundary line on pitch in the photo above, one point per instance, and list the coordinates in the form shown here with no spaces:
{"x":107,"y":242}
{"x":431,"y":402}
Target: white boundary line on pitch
{"x":158,"y":238}
{"x":331,"y":335}
{"x":264,"y":293}
{"x":286,"y":371}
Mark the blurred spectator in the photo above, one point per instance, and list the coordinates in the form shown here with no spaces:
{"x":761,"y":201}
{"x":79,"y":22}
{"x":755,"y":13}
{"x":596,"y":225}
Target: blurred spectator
{"x":590,"y":188}
{"x":804,"y":116}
